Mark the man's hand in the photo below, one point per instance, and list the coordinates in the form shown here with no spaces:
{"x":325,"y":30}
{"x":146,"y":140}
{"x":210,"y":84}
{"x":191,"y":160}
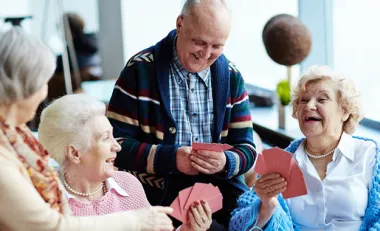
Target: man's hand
{"x":208,"y":162}
{"x":184,"y":162}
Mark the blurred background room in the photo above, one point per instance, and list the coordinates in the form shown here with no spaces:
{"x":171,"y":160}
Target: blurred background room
{"x":105,"y":34}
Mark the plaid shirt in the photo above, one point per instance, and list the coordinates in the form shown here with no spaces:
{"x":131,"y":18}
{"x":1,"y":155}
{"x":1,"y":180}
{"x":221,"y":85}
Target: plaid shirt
{"x":191,"y":103}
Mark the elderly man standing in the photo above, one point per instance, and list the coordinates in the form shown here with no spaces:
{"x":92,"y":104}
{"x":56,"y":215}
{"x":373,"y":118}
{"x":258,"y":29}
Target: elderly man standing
{"x":179,"y":91}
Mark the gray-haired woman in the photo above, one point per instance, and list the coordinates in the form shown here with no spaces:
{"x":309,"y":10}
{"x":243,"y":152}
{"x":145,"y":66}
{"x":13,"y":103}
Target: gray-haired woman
{"x":31,"y":195}
{"x":78,"y":135}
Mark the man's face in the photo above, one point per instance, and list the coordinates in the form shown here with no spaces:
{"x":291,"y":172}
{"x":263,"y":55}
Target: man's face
{"x":200,"y":41}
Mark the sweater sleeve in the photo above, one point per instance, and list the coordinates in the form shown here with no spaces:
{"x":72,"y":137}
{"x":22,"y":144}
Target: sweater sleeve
{"x":240,"y":132}
{"x":245,"y":216}
{"x":128,"y":106}
{"x":22,"y":208}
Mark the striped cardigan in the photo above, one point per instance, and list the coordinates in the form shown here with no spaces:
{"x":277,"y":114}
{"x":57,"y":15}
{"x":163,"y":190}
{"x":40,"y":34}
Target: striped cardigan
{"x":139,"y":111}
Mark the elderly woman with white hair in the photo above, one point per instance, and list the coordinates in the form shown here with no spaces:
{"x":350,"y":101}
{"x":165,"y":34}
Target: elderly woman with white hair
{"x":341,"y":171}
{"x":31,"y":195}
{"x":79,"y":137}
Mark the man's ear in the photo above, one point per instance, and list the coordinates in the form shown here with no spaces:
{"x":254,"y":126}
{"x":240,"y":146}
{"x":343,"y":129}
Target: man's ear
{"x":179,"y":23}
{"x":72,"y":154}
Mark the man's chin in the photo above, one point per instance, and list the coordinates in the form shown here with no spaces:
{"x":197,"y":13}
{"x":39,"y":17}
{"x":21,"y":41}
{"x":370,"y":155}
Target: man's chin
{"x":196,"y":68}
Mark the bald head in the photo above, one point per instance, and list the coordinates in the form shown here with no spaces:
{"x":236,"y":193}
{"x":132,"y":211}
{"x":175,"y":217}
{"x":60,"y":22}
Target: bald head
{"x":191,"y":6}
{"x":203,"y":28}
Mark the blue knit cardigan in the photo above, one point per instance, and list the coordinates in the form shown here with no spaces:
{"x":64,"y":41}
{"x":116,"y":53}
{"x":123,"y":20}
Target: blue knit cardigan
{"x":245,"y":215}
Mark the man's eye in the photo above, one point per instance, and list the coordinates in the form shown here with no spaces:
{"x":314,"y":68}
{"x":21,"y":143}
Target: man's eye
{"x":198,"y":43}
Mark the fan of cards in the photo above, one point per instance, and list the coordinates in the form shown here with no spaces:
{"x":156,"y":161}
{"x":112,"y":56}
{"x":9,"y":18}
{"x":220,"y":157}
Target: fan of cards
{"x":276,"y":160}
{"x":200,"y":191}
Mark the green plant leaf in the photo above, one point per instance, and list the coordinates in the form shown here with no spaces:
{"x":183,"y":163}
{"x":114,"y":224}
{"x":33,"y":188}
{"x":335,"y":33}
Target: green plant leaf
{"x":283,"y":92}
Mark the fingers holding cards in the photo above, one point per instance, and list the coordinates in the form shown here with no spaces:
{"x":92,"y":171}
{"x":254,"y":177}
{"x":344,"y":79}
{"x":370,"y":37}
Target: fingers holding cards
{"x":198,"y":192}
{"x":272,"y":164}
{"x":209,"y":158}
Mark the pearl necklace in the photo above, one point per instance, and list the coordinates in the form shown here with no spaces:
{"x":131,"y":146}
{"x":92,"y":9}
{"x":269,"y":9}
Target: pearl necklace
{"x":67,"y":186}
{"x":319,"y":156}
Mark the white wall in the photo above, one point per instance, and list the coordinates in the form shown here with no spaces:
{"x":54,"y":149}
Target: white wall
{"x":87,"y":9}
{"x":357,"y":49}
{"x":245,"y":46}
{"x":145,"y":22}
{"x":13,"y":8}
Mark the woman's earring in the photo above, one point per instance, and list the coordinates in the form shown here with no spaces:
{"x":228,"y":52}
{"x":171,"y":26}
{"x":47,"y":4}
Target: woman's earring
{"x":78,"y":162}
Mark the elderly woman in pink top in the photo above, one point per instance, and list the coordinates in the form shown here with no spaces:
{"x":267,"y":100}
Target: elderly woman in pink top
{"x":79,"y":138}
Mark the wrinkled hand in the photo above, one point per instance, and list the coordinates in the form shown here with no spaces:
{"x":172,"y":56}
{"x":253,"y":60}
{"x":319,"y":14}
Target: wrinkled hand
{"x":268,"y":187}
{"x":208,"y":162}
{"x":155,"y":218}
{"x":184,"y":162}
{"x":200,"y":217}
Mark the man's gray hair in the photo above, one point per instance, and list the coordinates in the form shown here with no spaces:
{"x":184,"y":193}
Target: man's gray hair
{"x":189,"y":5}
{"x":64,"y":122}
{"x":26,"y":64}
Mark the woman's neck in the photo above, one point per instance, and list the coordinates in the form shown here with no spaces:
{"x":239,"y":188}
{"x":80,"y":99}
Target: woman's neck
{"x":83,"y":185}
{"x":9,"y":114}
{"x":322,"y":144}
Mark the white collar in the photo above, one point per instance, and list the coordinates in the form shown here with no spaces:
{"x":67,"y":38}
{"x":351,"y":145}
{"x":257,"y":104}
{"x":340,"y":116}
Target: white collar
{"x":110,"y":183}
{"x":345,"y":146}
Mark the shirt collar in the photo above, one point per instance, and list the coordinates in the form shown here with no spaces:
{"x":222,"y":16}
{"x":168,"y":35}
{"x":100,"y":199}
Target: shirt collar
{"x":346,"y":146}
{"x":110,"y":183}
{"x":204,"y":75}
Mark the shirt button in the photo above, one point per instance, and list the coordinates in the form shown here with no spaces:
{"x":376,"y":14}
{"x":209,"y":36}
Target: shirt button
{"x":192,"y":89}
{"x":196,"y":139}
{"x":194,"y":114}
{"x":172,"y":130}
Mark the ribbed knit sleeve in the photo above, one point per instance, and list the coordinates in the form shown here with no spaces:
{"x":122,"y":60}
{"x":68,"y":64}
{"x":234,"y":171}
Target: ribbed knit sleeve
{"x":237,"y":130}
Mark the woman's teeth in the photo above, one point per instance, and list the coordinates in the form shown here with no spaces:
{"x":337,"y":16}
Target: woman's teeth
{"x":110,"y":161}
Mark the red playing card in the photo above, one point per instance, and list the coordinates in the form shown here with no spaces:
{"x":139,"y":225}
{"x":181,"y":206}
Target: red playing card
{"x":211,"y":147}
{"x":260,"y":166}
{"x":176,"y":210}
{"x":212,"y":195}
{"x":195,"y":194}
{"x":278,"y":160}
{"x":216,"y":203}
{"x":210,"y":192}
{"x":296,"y":184}
{"x":183,"y":196}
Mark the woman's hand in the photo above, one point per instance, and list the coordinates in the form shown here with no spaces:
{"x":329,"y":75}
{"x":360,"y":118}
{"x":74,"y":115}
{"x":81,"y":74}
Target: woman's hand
{"x":155,"y":218}
{"x":268,"y":187}
{"x":200,"y":218}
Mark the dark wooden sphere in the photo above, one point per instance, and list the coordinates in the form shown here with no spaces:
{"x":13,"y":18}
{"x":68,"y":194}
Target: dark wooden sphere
{"x":287,"y":40}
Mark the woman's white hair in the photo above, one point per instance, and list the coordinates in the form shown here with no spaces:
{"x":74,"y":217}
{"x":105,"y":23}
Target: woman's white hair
{"x":63,"y":123}
{"x":26,"y":64}
{"x":348,"y":95}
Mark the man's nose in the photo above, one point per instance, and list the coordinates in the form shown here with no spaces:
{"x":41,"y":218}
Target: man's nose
{"x":206,"y":52}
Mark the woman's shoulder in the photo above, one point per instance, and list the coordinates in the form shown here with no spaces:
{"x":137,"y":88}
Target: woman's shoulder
{"x":363,"y":142}
{"x":365,"y":145}
{"x":126,"y":180}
